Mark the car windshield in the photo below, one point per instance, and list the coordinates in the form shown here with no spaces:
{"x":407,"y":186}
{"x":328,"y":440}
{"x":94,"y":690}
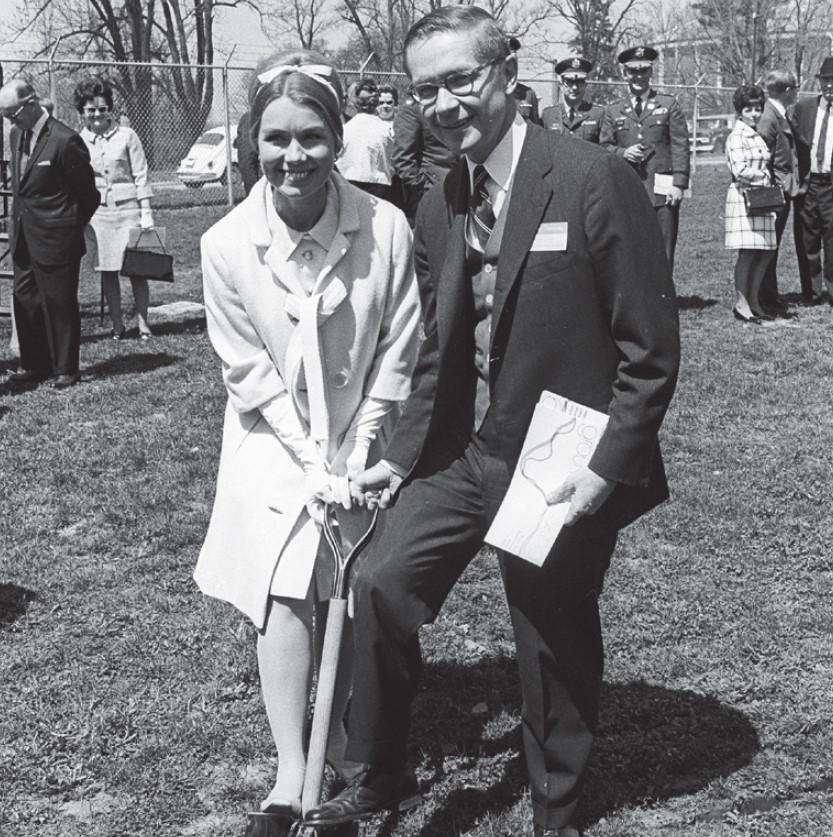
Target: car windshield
{"x":210,"y":139}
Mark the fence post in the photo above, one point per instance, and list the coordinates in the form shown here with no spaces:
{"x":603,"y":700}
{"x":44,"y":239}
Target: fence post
{"x":229,"y":138}
{"x":53,"y":88}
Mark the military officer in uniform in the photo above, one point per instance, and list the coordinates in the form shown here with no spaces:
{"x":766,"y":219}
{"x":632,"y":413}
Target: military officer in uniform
{"x":575,"y":116}
{"x":649,"y":130}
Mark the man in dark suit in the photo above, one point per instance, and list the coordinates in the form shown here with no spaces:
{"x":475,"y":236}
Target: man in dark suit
{"x":525,"y":97}
{"x":541,"y":267}
{"x":774,"y":126}
{"x":54,"y":194}
{"x":649,"y":130}
{"x":575,"y":116}
{"x":813,"y":128}
{"x":419,"y":158}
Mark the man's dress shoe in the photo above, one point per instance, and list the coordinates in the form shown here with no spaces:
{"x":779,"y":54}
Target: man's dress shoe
{"x":26,"y":376}
{"x":564,"y":831}
{"x":66,"y":381}
{"x":371,"y":791}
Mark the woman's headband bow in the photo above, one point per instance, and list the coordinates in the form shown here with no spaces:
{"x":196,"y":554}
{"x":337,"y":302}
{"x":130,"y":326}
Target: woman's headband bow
{"x":317,"y":72}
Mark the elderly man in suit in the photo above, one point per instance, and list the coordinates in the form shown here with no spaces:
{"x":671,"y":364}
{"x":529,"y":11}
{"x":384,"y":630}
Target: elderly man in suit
{"x":775,"y":128}
{"x":541,"y":267}
{"x":813,"y":129}
{"x":649,"y":130}
{"x":576,"y":116}
{"x":54,"y":194}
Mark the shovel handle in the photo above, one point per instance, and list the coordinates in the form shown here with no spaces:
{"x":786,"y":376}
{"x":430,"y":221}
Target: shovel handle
{"x":322,"y":714}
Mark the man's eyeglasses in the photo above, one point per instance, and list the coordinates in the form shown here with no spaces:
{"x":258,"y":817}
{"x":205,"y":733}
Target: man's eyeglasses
{"x":91,"y":111}
{"x":458,"y":84}
{"x":20,"y":108}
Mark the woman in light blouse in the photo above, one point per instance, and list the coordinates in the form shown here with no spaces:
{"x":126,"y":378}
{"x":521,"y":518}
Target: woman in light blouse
{"x":312,"y":306}
{"x":121,"y":174}
{"x":753,"y":236}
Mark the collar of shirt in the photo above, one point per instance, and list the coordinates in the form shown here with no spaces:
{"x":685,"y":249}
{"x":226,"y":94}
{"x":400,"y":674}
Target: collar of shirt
{"x":500,"y":165}
{"x":93,"y":137}
{"x":37,"y":128}
{"x":779,"y":106}
{"x":286,"y":240}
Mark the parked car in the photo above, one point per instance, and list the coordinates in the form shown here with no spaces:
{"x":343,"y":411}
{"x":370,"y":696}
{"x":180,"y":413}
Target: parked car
{"x":711,"y":133}
{"x":206,"y":160}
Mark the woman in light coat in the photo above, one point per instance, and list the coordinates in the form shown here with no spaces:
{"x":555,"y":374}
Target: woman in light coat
{"x":753,"y":236}
{"x":121,"y":175}
{"x":312,"y":306}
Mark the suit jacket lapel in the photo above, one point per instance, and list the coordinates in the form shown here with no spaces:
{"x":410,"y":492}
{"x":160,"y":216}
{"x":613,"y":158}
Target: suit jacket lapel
{"x":452,"y":279}
{"x":530,"y":195}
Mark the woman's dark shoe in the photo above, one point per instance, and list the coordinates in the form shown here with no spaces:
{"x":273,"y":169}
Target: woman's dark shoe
{"x":117,"y":335}
{"x":262,"y":824}
{"x":753,"y":320}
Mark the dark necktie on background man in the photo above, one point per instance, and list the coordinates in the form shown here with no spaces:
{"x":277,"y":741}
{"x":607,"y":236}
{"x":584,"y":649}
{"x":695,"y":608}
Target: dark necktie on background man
{"x":823,"y":139}
{"x":25,"y":150}
{"x":638,"y":106}
{"x":481,"y":214}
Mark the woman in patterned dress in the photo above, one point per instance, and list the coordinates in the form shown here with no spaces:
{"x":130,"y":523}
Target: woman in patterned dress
{"x":753,"y":236}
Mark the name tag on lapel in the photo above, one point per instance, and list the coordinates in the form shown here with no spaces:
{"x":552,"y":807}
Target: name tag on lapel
{"x":551,"y":237}
{"x":45,"y":163}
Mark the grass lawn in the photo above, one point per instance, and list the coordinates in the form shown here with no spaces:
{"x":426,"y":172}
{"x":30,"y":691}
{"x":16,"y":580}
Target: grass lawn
{"x":130,"y":703}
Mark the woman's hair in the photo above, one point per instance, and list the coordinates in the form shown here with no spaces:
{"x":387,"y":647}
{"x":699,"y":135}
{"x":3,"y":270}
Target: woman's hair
{"x":746,"y":95}
{"x":389,"y":88}
{"x":491,"y":42}
{"x":318,"y":88}
{"x":87,"y":90}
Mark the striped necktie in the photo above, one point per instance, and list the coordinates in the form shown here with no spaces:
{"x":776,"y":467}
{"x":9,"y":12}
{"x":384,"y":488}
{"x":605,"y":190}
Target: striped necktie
{"x":481,"y":214}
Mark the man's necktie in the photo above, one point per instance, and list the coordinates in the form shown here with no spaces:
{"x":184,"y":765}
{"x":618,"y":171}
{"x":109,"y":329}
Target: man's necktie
{"x":571,"y":114}
{"x":481,"y":214}
{"x":638,"y":106}
{"x":823,"y":138}
{"x":25,"y":149}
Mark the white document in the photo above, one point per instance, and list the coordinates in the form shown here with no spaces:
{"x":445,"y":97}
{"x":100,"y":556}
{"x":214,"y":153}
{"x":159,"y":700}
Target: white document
{"x":561,"y":437}
{"x":663,"y":184}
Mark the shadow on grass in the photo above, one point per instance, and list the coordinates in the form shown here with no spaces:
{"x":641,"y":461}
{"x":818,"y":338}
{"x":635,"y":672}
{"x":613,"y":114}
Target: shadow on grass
{"x":13,"y":602}
{"x":653,"y":743}
{"x":136,"y":362}
{"x":694,"y":303}
{"x":191,"y":325}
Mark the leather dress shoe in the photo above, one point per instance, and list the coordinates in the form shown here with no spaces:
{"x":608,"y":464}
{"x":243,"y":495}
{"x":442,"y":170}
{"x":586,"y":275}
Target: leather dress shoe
{"x":371,"y":791}
{"x":26,"y":376}
{"x":66,"y":381}
{"x":564,"y":831}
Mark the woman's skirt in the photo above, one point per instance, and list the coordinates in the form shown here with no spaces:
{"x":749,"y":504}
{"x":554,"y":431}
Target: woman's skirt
{"x":744,"y":231}
{"x":108,"y":231}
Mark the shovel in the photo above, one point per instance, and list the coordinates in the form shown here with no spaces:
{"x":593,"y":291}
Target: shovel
{"x":270,"y":825}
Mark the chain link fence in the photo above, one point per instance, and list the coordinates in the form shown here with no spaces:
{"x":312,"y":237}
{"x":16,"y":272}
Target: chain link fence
{"x":173,"y":106}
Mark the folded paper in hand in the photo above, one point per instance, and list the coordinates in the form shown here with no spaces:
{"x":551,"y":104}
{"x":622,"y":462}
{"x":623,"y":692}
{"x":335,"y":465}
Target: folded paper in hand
{"x":561,"y":437}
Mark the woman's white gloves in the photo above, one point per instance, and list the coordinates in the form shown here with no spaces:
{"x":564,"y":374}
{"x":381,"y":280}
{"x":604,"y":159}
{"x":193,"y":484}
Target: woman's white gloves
{"x":146,"y":218}
{"x":325,"y":483}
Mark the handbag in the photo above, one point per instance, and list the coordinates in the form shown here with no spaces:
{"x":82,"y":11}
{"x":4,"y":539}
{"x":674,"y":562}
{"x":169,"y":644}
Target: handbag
{"x":148,"y":262}
{"x":760,"y":200}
